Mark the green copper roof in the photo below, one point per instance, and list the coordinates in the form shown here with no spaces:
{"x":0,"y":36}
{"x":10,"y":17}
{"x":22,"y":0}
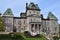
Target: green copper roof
{"x":32,"y":5}
{"x":8,"y":12}
{"x":51,"y":16}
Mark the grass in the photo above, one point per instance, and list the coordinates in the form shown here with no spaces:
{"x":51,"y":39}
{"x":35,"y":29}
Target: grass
{"x":8,"y":37}
{"x":19,"y":36}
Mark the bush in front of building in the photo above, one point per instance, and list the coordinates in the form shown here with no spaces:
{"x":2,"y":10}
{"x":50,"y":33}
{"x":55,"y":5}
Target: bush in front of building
{"x":55,"y":38}
{"x":15,"y":36}
{"x":18,"y":36}
{"x":2,"y":36}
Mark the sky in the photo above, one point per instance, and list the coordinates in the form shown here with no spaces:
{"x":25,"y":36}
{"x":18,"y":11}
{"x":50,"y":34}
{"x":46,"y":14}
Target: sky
{"x":18,"y":6}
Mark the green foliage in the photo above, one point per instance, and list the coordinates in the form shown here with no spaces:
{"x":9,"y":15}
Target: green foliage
{"x":4,"y":36}
{"x":59,"y":28}
{"x":1,"y":23}
{"x":8,"y":37}
{"x":18,"y":36}
{"x":56,"y":38}
{"x":41,"y":38}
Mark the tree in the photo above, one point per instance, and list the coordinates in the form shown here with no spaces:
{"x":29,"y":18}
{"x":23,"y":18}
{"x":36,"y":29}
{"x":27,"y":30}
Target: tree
{"x":59,"y":28}
{"x":0,"y":14}
{"x":1,"y":24}
{"x":56,"y":38}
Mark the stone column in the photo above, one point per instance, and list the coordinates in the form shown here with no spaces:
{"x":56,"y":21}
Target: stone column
{"x":17,"y":29}
{"x":5,"y":28}
{"x":34,"y":27}
{"x":41,"y":28}
{"x":11,"y":28}
{"x":38,"y":28}
{"x":30,"y":27}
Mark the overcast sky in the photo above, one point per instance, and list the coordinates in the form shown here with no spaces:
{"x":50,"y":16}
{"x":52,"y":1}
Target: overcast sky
{"x":18,"y":6}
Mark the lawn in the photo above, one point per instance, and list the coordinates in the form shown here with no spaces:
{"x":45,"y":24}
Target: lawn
{"x":35,"y":39}
{"x":18,"y":36}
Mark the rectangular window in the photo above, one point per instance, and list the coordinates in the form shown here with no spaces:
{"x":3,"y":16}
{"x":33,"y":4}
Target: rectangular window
{"x":48,"y":29}
{"x":14,"y":21}
{"x":19,"y":22}
{"x":47,"y":24}
{"x":55,"y":28}
{"x":24,"y":21}
{"x":7,"y":21}
{"x":31,"y":20}
{"x":24,"y":27}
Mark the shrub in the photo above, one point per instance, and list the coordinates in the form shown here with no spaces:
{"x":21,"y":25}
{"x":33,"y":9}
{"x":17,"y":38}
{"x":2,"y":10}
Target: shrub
{"x":4,"y":36}
{"x":16,"y":36}
{"x":56,"y":38}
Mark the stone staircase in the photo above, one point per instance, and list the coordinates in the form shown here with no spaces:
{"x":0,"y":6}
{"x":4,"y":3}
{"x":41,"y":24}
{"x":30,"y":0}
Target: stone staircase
{"x":28,"y":34}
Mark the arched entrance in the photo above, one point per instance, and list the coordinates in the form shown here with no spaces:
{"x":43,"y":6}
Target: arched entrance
{"x":35,"y":29}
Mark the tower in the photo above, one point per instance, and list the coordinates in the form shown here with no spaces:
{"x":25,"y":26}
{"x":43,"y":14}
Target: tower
{"x":8,"y":20}
{"x":33,"y":17}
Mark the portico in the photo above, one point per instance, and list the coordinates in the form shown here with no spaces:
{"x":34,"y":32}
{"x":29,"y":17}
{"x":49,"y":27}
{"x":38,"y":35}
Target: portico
{"x":35,"y":27}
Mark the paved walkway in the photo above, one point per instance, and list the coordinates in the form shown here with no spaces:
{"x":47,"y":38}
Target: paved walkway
{"x":4,"y":32}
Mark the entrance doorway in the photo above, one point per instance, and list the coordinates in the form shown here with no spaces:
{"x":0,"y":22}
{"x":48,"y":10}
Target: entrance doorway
{"x":35,"y":28}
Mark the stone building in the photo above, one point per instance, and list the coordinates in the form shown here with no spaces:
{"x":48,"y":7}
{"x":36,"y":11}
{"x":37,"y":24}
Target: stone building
{"x":31,"y":20}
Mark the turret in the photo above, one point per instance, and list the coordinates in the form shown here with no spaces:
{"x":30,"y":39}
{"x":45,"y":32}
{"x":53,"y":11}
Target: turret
{"x":8,"y":12}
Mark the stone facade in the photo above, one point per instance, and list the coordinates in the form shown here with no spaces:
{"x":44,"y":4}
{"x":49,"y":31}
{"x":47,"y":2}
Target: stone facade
{"x":32,"y":20}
